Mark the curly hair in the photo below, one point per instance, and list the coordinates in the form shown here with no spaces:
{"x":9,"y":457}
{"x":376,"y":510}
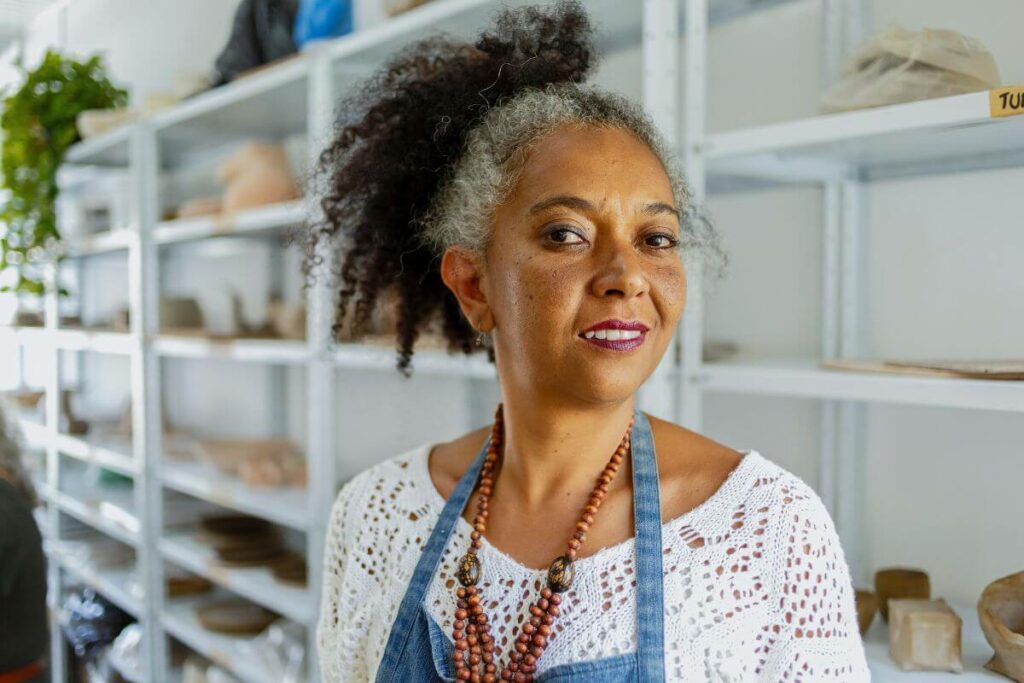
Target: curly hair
{"x":428,"y":146}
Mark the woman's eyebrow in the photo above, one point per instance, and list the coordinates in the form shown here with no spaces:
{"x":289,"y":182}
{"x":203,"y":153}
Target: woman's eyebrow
{"x":581,"y":204}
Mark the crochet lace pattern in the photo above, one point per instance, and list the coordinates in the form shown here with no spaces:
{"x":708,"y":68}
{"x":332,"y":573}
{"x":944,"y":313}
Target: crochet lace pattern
{"x":756,"y":584}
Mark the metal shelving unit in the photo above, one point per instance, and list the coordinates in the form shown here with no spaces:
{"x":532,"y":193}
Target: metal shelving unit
{"x":838,"y":153}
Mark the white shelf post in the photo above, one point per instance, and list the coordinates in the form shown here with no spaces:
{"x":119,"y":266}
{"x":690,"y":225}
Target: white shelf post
{"x":690,"y":404}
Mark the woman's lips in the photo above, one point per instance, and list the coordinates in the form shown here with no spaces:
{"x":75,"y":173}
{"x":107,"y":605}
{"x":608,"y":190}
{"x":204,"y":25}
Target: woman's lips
{"x":622,"y":340}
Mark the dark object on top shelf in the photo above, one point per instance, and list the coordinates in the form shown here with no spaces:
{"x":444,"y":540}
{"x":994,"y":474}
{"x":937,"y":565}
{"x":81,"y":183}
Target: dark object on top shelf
{"x":261,"y":33}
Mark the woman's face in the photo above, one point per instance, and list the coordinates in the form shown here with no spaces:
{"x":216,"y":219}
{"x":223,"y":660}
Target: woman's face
{"x":585,"y":242}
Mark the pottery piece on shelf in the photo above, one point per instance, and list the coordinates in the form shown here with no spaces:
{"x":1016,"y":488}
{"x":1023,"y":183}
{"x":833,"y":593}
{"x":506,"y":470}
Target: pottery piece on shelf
{"x":257,"y":462}
{"x":291,"y":569}
{"x":187,"y":585}
{"x":867,"y":605}
{"x":900,"y":582}
{"x":199,"y":206}
{"x":180,"y":313}
{"x":258,"y":173}
{"x":28,"y":319}
{"x":72,"y":424}
{"x":1001,"y":614}
{"x":233,"y":616}
{"x":93,"y":122}
{"x":383,"y":321}
{"x":28,"y":400}
{"x":924,"y":635}
{"x":288,"y":320}
{"x":231,"y":526}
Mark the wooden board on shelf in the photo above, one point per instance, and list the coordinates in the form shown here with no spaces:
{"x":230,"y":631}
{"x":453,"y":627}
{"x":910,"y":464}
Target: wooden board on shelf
{"x":993,"y":369}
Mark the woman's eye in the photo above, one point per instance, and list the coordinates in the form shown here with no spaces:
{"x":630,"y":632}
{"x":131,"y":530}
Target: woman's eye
{"x":667,"y":241}
{"x":564,"y":236}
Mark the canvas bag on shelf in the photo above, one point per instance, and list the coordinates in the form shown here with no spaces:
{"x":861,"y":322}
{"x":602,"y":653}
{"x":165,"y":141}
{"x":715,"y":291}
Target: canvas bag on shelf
{"x":905,"y":66}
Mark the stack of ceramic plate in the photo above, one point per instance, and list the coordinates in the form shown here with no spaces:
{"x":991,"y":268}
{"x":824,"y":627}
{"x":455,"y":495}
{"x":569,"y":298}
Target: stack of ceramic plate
{"x":242,"y":541}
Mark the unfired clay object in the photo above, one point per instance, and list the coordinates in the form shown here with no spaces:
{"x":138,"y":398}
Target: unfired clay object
{"x":199,"y":206}
{"x":236,"y":617}
{"x":257,"y":174}
{"x":287,"y":319}
{"x":180,"y":312}
{"x":924,"y":635}
{"x":1001,"y":613}
{"x":257,"y":462}
{"x":900,"y":582}
{"x":867,"y":605}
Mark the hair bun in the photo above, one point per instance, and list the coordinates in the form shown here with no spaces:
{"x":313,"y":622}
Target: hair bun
{"x":533,"y":46}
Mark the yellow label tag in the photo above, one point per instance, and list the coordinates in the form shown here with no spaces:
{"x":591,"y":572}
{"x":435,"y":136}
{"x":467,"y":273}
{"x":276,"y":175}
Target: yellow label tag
{"x":1006,"y":101}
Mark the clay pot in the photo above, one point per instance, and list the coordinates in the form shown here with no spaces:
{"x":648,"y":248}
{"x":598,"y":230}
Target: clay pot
{"x":867,"y":605}
{"x":900,"y":582}
{"x":257,"y":174}
{"x":1001,"y":613}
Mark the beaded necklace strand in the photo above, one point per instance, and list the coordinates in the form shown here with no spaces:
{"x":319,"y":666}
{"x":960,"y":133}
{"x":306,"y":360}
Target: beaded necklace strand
{"x":474,"y":652}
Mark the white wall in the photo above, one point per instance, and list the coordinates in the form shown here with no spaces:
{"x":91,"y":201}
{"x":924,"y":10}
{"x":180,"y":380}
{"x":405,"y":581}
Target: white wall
{"x":944,"y":279}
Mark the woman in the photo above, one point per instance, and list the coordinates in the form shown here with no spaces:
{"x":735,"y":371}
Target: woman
{"x":575,"y":538}
{"x":24,"y":631}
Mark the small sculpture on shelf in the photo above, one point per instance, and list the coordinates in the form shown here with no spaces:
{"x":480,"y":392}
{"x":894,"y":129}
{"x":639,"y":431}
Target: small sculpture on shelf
{"x":1001,"y":614}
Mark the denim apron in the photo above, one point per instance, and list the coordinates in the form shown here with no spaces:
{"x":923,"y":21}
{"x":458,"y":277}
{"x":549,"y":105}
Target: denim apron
{"x":418,"y":650}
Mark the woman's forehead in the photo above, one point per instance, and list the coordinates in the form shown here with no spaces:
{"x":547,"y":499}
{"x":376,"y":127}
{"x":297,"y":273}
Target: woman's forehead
{"x":600,"y":166}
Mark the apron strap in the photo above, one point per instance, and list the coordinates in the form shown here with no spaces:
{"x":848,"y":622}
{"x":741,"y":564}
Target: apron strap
{"x":648,"y":549}
{"x":427,"y":567}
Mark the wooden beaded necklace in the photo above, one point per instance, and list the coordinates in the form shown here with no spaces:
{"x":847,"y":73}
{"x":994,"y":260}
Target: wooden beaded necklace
{"x":474,"y":652}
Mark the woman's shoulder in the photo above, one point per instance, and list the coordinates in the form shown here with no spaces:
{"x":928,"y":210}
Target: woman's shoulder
{"x":694,"y":468}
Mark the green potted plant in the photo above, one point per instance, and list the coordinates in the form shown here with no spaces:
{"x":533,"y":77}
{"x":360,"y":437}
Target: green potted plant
{"x":38,"y":126}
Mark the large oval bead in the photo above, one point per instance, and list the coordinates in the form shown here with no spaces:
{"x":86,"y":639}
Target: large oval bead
{"x":469,"y":569}
{"x":560,"y":574}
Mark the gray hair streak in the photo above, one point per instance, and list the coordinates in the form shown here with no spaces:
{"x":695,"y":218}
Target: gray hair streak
{"x":495,"y":153}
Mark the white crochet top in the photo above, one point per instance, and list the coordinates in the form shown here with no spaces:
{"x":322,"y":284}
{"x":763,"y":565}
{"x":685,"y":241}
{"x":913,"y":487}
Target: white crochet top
{"x":756,"y":585}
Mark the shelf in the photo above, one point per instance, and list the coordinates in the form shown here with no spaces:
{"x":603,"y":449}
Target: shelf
{"x":976,"y":651}
{"x":426,"y":361}
{"x":271,"y":102}
{"x":255,"y":583}
{"x":939,"y":135}
{"x":287,"y":506}
{"x":99,"y":341}
{"x":108,"y":509}
{"x":111,"y":452}
{"x":22,"y":336}
{"x":100,"y":243}
{"x":234,"y":349}
{"x":617,"y":26}
{"x":804,"y":378}
{"x":253,"y":222}
{"x":111,"y":583}
{"x":35,"y":432}
{"x":108,"y":149}
{"x":229,"y":652}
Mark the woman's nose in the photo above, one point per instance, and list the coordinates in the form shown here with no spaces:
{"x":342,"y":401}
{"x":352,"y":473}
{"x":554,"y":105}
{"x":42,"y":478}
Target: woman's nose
{"x":620,"y":273}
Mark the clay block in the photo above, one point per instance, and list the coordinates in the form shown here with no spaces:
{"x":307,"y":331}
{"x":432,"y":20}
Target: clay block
{"x":924,"y":635}
{"x":900,"y":582}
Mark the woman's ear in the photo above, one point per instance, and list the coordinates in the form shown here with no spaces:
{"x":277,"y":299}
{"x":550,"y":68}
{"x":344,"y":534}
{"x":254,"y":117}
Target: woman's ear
{"x":462,"y":272}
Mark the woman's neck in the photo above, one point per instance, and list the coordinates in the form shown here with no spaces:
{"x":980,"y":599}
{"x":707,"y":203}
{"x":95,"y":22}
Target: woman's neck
{"x":552,"y":452}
